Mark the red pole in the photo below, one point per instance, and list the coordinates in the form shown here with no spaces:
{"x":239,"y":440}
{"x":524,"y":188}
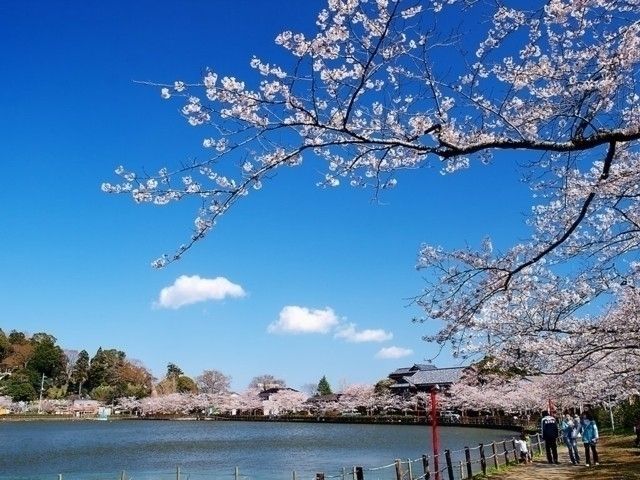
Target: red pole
{"x":434,"y":433}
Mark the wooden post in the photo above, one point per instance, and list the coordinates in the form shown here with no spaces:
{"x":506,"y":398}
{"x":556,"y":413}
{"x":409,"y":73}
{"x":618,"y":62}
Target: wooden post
{"x":461,"y":470}
{"x":506,"y":452}
{"x":410,"y":468}
{"x":237,"y":473}
{"x":178,"y":472}
{"x":425,"y":467}
{"x":483,"y":460}
{"x":467,"y":456}
{"x":294,"y":477}
{"x":359,"y":474}
{"x":122,"y":476}
{"x":59,"y":476}
{"x":515,"y":451}
{"x":398,"y":469}
{"x":447,"y":457}
{"x":320,"y":476}
{"x":495,"y":455}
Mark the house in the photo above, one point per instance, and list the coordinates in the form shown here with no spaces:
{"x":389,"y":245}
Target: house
{"x":269,"y":392}
{"x":423,"y":378}
{"x":82,"y":408}
{"x":400,"y":373}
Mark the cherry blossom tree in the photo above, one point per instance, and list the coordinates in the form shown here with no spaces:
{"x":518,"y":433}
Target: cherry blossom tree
{"x":389,"y":85}
{"x":286,"y":401}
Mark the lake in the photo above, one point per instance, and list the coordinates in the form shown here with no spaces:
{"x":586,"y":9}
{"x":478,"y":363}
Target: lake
{"x":95,"y":450}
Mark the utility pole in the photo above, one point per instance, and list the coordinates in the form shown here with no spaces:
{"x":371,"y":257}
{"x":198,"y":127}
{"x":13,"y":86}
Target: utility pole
{"x":41,"y":389}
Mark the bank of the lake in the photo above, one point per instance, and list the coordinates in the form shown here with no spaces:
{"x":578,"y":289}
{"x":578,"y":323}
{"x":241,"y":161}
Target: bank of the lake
{"x":264,"y":450}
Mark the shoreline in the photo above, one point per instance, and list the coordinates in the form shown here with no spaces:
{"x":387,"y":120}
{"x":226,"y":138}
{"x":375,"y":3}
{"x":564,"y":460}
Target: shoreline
{"x":363,"y":420}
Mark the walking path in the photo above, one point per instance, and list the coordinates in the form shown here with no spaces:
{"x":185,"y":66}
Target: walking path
{"x":619,"y":461}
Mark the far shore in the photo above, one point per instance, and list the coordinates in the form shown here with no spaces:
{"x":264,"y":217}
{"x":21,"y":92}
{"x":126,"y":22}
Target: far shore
{"x":472,"y":422}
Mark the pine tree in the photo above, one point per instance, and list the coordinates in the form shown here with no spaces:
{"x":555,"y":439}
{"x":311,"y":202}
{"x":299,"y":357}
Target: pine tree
{"x":323,"y":387}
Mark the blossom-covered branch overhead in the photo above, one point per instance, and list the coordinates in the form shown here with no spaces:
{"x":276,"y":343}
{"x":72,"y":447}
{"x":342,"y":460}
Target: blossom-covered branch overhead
{"x":387,"y":85}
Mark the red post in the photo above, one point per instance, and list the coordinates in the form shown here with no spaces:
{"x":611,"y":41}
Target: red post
{"x":434,"y":431}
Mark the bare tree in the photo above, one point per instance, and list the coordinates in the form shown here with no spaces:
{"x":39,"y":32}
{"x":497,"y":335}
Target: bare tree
{"x":213,"y":381}
{"x":265,"y":382}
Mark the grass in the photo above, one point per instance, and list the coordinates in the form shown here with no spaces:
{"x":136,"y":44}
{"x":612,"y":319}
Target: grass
{"x":620,"y":460}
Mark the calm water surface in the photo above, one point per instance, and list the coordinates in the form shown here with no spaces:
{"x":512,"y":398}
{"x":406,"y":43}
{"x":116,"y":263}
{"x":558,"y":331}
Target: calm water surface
{"x":212,"y":449}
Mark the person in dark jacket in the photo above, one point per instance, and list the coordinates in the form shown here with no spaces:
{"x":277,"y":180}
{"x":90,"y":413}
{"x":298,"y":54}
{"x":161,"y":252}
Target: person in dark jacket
{"x":550,"y":433}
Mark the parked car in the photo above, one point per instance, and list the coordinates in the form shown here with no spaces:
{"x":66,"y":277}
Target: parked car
{"x":448,"y":416}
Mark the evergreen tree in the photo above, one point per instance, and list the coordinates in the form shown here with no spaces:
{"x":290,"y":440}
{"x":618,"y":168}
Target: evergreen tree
{"x":104,"y":368}
{"x":323,"y":387}
{"x":4,"y":345}
{"x":173,"y":370}
{"x":47,"y":358}
{"x":81,"y":370}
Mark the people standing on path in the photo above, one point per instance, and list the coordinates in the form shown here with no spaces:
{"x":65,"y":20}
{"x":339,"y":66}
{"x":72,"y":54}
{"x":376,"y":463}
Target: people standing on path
{"x":550,"y":433}
{"x":570,"y":438}
{"x":590,"y":439}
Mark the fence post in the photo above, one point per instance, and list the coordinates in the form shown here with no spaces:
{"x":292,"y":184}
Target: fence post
{"x":59,"y":476}
{"x":506,"y":452}
{"x":539,"y":444}
{"x":359,"y":474}
{"x":495,"y":455}
{"x":320,"y":476}
{"x":447,"y":457}
{"x":467,"y":457}
{"x":425,"y":467}
{"x":398,"y":469}
{"x":122,"y":475}
{"x":344,"y":474}
{"x":293,"y":476}
{"x":178,"y":472}
{"x":483,"y":460}
{"x":410,"y":468}
{"x":461,"y":470}
{"x":515,"y":451}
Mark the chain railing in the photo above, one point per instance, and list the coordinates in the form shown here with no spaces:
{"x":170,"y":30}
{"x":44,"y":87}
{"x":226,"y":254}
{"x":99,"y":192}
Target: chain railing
{"x":458,"y":464}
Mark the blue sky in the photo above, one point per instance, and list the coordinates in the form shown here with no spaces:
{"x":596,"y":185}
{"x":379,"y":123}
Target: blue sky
{"x":75,"y":262}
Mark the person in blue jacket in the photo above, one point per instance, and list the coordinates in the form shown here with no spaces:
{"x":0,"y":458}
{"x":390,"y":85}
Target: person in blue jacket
{"x":590,"y":439}
{"x":570,"y":437}
{"x":550,"y":433}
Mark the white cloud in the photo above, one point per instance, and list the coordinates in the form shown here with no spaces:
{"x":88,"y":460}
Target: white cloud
{"x":294,"y":319}
{"x":187,"y":290}
{"x":393,"y":352}
{"x":350,"y":334}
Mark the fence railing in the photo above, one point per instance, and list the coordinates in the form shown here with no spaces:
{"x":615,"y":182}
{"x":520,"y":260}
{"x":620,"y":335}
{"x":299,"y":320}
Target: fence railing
{"x":458,"y":464}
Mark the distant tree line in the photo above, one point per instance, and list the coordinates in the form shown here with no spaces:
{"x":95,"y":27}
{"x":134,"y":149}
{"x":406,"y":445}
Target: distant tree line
{"x":31,"y":365}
